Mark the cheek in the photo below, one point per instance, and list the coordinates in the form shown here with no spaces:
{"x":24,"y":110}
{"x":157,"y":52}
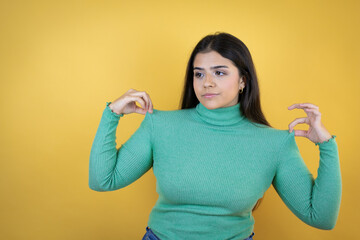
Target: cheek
{"x":231,"y":85}
{"x":195,"y":86}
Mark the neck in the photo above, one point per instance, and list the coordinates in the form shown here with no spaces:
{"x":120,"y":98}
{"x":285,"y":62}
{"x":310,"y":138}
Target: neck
{"x":220,"y":116}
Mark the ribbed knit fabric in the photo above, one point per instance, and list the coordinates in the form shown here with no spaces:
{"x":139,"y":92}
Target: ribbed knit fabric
{"x":211,"y":167}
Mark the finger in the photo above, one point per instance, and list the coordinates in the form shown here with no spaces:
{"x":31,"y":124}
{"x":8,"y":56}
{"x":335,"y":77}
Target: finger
{"x":151,"y":106}
{"x":295,"y":105}
{"x":144,"y":95}
{"x":140,"y":110}
{"x":301,"y":133}
{"x":309,"y":105}
{"x":139,"y":100}
{"x":147,"y":98}
{"x":149,"y":102}
{"x":302,"y":105}
{"x":312,"y":110}
{"x":133,"y":90}
{"x":296,"y":122}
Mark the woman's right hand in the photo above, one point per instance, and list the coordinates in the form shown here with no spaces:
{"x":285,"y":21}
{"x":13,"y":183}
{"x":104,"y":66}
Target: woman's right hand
{"x":126,"y":103}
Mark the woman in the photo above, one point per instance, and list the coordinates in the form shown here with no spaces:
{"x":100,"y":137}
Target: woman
{"x":215,"y":158}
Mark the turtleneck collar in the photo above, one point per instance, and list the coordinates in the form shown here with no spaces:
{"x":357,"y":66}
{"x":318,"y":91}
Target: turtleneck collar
{"x":220,"y":116}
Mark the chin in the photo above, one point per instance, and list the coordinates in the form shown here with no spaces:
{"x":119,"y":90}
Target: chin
{"x":211,"y":104}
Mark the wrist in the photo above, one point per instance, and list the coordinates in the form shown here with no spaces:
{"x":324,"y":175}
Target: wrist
{"x":325,"y":138}
{"x":113,"y":110}
{"x":326,"y":141}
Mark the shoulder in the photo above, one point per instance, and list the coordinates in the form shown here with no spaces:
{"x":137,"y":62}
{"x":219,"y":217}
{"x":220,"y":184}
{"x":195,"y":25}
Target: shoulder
{"x":283,"y":135}
{"x":281,"y":141}
{"x":166,"y":116}
{"x":272,"y":136}
{"x":274,"y":133}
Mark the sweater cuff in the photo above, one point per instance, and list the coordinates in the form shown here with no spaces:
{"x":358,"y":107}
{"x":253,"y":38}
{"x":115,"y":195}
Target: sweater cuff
{"x":330,"y":141}
{"x":108,"y":109}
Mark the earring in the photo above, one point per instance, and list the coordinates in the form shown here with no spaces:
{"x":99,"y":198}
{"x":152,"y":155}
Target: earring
{"x":241,"y":90}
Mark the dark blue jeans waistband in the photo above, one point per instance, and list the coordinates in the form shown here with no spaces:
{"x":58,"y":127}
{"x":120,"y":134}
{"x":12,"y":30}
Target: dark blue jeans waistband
{"x":150,"y":235}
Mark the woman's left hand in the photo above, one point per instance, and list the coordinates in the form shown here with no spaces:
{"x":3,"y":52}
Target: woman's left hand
{"x":316,"y":132}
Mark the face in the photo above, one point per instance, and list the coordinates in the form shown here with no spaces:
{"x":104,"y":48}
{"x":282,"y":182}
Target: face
{"x":216,"y":75}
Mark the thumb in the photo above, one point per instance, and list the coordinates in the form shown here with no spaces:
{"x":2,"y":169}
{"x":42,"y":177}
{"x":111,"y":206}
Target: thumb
{"x":140,"y":110}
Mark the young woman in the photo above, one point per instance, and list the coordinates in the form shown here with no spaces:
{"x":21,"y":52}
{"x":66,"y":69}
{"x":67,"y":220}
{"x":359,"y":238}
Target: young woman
{"x":214,"y":158}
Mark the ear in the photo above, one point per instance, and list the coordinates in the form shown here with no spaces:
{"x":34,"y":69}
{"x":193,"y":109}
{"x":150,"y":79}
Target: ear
{"x":242,"y":81}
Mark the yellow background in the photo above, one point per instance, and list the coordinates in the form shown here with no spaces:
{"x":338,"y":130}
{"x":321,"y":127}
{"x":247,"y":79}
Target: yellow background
{"x":60,"y":61}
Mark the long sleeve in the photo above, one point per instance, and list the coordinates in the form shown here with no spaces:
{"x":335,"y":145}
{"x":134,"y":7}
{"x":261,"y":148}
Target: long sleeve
{"x":110,"y":168}
{"x":315,"y":202}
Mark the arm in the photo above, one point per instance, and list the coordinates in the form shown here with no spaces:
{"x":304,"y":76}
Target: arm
{"x":315,"y":202}
{"x":110,"y":168}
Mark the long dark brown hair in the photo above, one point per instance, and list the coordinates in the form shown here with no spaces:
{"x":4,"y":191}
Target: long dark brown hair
{"x":232,"y":48}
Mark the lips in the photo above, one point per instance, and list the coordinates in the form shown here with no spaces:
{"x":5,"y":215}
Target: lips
{"x":210,"y":95}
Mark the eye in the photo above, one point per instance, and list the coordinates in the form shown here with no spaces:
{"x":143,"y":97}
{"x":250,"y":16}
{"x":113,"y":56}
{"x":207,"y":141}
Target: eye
{"x":219,"y":72}
{"x":197,"y":74}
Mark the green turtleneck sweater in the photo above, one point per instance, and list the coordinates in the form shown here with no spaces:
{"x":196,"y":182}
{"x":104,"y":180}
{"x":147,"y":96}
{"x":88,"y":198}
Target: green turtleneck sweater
{"x":211,"y":167}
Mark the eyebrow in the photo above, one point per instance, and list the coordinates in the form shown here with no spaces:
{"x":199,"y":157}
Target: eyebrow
{"x":214,"y":67}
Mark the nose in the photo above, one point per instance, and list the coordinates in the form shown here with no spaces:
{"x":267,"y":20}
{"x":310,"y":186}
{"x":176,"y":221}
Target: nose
{"x":208,"y":81}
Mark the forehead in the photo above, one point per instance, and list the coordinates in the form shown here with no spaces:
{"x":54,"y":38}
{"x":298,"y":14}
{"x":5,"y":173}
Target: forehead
{"x":213,"y":58}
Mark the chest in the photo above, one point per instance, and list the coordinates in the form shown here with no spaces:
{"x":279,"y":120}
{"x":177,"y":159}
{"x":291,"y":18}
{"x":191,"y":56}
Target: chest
{"x":230,"y":169}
